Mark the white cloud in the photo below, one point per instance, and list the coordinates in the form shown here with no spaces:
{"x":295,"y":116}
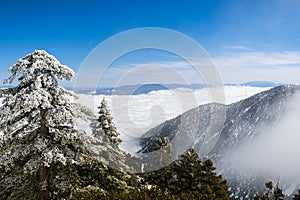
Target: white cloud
{"x":243,"y":66}
{"x":135,"y":114}
{"x":258,"y":59}
{"x":237,"y":47}
{"x":234,"y":67}
{"x":280,"y":67}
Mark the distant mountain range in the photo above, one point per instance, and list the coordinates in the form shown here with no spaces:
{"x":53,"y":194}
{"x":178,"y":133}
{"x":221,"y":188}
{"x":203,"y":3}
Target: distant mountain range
{"x":146,"y":88}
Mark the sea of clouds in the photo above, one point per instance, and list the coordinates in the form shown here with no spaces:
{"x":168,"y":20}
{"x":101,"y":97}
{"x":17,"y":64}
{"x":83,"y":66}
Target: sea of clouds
{"x":135,"y":114}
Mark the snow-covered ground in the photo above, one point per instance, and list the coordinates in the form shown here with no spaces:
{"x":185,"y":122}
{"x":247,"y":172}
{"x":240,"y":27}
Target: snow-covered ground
{"x":135,"y":114}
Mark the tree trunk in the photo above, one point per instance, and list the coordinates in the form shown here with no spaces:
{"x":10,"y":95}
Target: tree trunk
{"x":43,"y":189}
{"x":43,"y":185}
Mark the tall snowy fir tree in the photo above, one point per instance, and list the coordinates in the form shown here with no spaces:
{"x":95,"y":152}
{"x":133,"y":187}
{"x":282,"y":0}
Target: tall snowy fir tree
{"x":37,"y":119}
{"x":106,"y":134}
{"x":40,"y":143}
{"x":104,"y":126}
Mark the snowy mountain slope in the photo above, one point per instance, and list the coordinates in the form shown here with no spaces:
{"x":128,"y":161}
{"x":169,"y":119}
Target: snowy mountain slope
{"x":245,"y":121}
{"x":242,"y":115}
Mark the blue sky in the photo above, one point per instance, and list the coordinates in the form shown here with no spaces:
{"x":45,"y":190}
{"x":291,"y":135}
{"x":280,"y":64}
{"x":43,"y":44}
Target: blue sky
{"x":248,"y":40}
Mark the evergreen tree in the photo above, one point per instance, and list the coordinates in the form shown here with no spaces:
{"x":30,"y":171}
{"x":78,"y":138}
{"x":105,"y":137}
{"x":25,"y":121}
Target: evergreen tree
{"x":272,"y":192}
{"x":211,"y":181}
{"x":163,"y":154}
{"x":104,"y":126}
{"x":297,"y":195}
{"x":106,"y":134}
{"x":38,"y":121}
{"x":278,"y":193}
{"x":189,"y":174}
{"x":137,"y":164}
{"x":189,"y":170}
{"x":162,"y":158}
{"x":194,"y":174}
{"x":42,"y":155}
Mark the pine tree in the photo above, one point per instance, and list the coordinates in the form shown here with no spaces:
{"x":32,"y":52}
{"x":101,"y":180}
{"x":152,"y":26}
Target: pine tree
{"x":194,"y":174}
{"x":105,"y":132}
{"x":278,"y":193}
{"x":105,"y":147}
{"x":210,"y":180}
{"x":105,"y":127}
{"x":161,"y":158}
{"x":189,"y":169}
{"x":163,"y":154}
{"x":272,"y":192}
{"x":40,"y":143}
{"x":190,"y":174}
{"x":297,"y":195}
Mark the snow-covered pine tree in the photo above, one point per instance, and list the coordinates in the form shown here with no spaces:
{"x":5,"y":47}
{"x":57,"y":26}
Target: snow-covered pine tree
{"x":297,"y":195}
{"x":38,"y":123}
{"x":272,"y":192}
{"x":105,"y":127}
{"x":163,"y":154}
{"x":106,"y":136}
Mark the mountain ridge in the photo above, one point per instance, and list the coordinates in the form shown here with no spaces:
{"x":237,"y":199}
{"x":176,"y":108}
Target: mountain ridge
{"x":244,"y":120}
{"x":147,"y":88}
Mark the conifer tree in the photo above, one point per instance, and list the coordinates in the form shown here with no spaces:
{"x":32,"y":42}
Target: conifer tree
{"x":194,"y":174}
{"x":297,"y":195}
{"x":161,"y":158}
{"x":212,"y":181}
{"x":106,"y":134}
{"x":39,"y":137}
{"x":163,"y":154}
{"x":105,"y":126}
{"x":190,"y":174}
{"x":272,"y":192}
{"x":189,"y":169}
